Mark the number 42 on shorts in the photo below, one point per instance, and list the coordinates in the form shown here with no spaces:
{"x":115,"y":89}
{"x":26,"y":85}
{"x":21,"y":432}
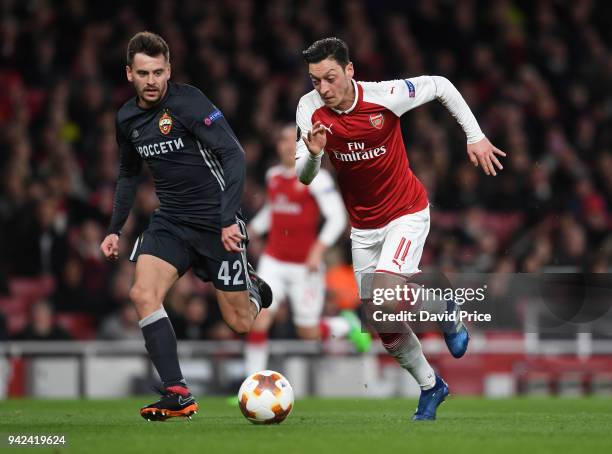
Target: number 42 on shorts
{"x":224,"y":273}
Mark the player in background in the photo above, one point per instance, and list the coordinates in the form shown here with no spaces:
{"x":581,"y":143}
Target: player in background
{"x":356,"y":124}
{"x":199,"y":170}
{"x":292,"y":262}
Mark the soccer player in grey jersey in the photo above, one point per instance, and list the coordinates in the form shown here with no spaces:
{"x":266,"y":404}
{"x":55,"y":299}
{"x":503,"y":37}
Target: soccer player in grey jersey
{"x":199,"y":170}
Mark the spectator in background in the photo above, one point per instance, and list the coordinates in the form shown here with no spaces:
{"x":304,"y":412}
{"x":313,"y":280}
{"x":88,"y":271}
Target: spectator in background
{"x":195,"y":315}
{"x":38,"y":243}
{"x":42,"y":325}
{"x":122,"y":325}
{"x":70,"y":295}
{"x":3,"y":329}
{"x":539,"y":74}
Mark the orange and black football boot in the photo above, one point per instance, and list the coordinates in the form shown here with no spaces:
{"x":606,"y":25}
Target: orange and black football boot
{"x":175,"y":401}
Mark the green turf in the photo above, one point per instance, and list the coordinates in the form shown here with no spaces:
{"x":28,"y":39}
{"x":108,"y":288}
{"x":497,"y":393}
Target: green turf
{"x":464,"y":425}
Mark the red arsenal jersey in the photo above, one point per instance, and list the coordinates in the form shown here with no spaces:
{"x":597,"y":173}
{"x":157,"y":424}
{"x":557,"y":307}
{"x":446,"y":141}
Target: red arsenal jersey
{"x":293,"y":212}
{"x":365,"y":145}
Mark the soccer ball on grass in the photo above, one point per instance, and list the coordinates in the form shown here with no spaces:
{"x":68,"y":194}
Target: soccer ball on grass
{"x":266,"y":397}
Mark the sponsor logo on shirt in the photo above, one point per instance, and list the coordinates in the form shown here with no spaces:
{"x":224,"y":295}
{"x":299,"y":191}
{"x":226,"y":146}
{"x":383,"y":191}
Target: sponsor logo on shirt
{"x":377,"y":120}
{"x":360,"y":155}
{"x":281,"y":204}
{"x":165,"y":124}
{"x":213,"y":117}
{"x":160,"y":147}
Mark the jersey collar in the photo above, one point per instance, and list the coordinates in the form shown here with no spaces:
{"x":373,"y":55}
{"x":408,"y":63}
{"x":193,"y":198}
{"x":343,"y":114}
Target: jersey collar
{"x":350,"y":109}
{"x":287,"y":172}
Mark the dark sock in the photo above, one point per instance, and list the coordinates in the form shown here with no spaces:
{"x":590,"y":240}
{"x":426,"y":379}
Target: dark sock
{"x":160,"y":342}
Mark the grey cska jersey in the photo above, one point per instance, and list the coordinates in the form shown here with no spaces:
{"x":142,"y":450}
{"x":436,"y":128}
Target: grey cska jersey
{"x":194,"y":156}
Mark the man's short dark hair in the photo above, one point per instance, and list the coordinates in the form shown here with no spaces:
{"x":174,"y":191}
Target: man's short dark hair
{"x":326,"y":48}
{"x":149,"y":44}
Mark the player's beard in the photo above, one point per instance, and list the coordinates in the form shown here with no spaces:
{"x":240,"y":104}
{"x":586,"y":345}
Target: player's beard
{"x":150,"y":95}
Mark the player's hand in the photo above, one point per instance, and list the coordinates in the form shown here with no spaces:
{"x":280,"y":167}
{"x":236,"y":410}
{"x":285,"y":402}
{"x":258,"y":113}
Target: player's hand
{"x":230,"y":237}
{"x":483,"y":153}
{"x":315,"y":139}
{"x":110,"y":247}
{"x":315,"y":257}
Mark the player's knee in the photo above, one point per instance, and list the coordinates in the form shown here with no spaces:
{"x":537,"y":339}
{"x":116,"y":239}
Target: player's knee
{"x":243,"y":320}
{"x":241,"y":325}
{"x":142,"y":297}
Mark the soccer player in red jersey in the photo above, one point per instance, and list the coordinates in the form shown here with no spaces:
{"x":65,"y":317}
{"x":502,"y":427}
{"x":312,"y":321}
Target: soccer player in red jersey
{"x":292,"y":262}
{"x":357,"y":125}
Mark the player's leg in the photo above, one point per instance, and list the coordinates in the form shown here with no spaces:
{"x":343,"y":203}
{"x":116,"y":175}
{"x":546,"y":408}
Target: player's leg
{"x":153,"y":279}
{"x":307,"y":298}
{"x":256,"y":348}
{"x":400,"y":256}
{"x":241,"y":293}
{"x":346,"y":325}
{"x":306,"y":292}
{"x":160,"y":260}
{"x":239,"y":308}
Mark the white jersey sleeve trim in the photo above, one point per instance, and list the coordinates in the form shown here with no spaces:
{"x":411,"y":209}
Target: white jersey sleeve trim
{"x":306,"y":165}
{"x":400,"y":96}
{"x":260,"y":224}
{"x":262,"y":221}
{"x":332,"y":208}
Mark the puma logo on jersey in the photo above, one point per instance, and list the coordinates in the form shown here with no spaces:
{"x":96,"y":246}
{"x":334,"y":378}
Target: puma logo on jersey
{"x":328,"y":128}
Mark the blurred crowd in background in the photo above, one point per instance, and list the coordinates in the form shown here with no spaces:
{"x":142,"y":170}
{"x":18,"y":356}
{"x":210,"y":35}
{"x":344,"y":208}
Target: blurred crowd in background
{"x":537,"y":75}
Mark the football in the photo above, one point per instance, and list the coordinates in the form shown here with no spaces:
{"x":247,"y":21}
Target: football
{"x":266,"y":397}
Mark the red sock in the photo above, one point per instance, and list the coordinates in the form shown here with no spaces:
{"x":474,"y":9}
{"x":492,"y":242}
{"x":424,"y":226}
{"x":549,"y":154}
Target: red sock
{"x":324,"y":330}
{"x":257,"y":337}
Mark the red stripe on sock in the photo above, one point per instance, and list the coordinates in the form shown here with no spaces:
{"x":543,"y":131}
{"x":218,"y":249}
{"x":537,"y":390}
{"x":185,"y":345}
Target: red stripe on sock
{"x":257,"y":337}
{"x":389,"y":338}
{"x":324,"y":329}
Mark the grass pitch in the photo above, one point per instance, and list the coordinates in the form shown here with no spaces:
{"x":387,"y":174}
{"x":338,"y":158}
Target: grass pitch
{"x":464,"y":425}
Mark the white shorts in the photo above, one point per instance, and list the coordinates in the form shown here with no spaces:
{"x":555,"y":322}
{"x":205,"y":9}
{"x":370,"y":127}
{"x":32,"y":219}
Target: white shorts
{"x":394,"y":248}
{"x":305,"y":290}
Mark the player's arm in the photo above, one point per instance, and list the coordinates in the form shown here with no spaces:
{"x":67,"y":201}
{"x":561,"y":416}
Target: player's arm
{"x":260,"y":224}
{"x":212,"y":130}
{"x":130,"y":165}
{"x":419,"y":90}
{"x":309,"y":147}
{"x":334,"y":215}
{"x":262,"y":221}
